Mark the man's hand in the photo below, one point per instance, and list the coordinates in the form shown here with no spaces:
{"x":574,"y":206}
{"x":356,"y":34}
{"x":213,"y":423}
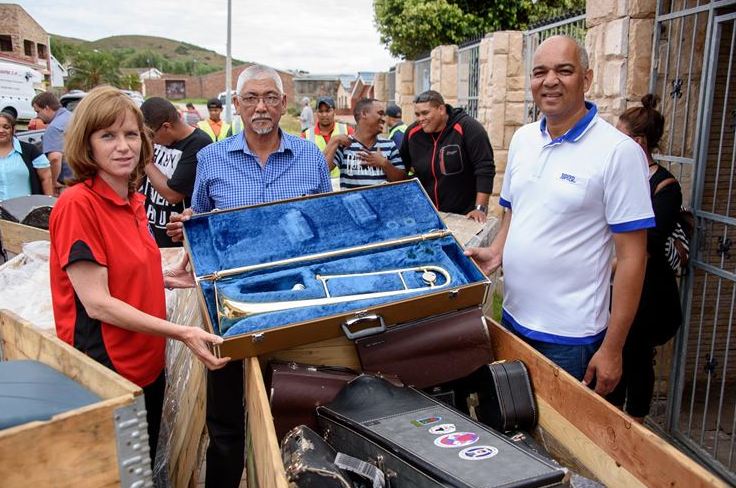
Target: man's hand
{"x":372,"y":158}
{"x":198,"y":341}
{"x":477,"y":215}
{"x":341,"y":140}
{"x":487,"y":258}
{"x":175,"y":227}
{"x":605,"y":368}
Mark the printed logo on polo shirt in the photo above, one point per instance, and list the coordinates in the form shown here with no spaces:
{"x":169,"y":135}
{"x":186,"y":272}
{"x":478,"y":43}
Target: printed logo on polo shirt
{"x":567,"y":177}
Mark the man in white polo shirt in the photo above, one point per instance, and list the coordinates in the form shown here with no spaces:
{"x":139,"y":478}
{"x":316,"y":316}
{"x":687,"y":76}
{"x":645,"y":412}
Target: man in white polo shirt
{"x":574,"y":189}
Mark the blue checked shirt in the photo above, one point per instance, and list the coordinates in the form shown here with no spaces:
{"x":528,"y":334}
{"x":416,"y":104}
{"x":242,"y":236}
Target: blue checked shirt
{"x":228,"y":173}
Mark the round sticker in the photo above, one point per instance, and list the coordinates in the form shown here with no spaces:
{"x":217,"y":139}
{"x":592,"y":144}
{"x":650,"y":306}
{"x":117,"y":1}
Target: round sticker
{"x":456,"y":439}
{"x":442,"y":429}
{"x":477,"y":453}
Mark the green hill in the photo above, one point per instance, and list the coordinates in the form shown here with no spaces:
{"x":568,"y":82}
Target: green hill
{"x":167,"y":55}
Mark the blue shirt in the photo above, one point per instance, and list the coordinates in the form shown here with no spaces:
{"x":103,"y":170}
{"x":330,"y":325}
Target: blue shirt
{"x":53,"y":139}
{"x":14,"y":178}
{"x":229,"y":175}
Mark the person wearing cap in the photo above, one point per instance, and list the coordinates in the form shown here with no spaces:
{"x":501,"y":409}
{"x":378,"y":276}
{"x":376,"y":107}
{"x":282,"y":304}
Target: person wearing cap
{"x":214,"y":126}
{"x":396,"y":126}
{"x":326,"y":130}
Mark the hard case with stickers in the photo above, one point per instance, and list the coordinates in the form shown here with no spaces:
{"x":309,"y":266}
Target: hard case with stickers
{"x":263,"y":272}
{"x":420,"y":442}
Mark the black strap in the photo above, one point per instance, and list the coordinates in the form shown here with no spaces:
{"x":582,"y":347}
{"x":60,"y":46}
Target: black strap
{"x":29,"y":153}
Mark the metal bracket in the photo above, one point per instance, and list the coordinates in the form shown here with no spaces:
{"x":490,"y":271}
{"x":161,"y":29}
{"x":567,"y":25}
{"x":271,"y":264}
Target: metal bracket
{"x":131,"y":436}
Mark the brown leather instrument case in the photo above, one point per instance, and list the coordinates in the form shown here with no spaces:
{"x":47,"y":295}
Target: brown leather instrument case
{"x":298,"y":271}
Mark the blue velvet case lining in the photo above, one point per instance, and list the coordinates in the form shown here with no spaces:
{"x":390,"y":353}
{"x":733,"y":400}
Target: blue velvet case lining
{"x":262,"y":234}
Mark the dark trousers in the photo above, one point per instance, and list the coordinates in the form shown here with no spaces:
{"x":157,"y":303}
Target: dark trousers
{"x":154,"y":398}
{"x":225,"y":426}
{"x":637,"y":379}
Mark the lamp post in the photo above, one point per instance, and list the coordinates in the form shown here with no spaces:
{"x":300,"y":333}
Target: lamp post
{"x":229,"y":66}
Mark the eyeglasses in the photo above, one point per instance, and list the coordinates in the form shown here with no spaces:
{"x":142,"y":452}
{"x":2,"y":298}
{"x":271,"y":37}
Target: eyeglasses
{"x":252,"y":100}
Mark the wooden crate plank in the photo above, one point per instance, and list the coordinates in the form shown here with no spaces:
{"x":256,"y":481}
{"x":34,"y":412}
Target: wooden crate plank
{"x":20,"y":341}
{"x":14,"y":235}
{"x":75,"y":449}
{"x":645,"y":455}
{"x":332,"y":352}
{"x":269,"y":466}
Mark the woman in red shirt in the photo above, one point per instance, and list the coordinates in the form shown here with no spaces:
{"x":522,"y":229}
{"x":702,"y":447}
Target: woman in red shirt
{"x":107,"y":285}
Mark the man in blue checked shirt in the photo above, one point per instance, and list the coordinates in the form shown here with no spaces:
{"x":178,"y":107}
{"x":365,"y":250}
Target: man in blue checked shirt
{"x":259,"y":165}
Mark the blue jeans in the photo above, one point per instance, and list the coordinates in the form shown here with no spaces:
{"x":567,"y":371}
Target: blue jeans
{"x":572,"y":358}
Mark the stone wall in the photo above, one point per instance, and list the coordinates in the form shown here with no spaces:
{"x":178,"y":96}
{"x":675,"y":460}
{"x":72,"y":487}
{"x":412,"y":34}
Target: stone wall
{"x":405,"y":89}
{"x":380,"y":87}
{"x":619,"y":43}
{"x":443,"y":72}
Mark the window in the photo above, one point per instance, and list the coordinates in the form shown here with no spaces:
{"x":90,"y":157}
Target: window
{"x":42,"y":51}
{"x":28,"y":48}
{"x":6,"y":44}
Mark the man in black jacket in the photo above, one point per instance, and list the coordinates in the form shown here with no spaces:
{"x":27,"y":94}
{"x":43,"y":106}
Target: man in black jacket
{"x":451,"y":155}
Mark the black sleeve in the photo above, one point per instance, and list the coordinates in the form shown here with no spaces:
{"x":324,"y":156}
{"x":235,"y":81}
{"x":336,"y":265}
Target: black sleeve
{"x":478,"y":148}
{"x":404,"y":150}
{"x":666,"y":203}
{"x":185,"y":173}
{"x":29,"y":151}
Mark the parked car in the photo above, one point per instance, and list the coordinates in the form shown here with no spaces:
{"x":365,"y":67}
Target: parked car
{"x":70,"y":100}
{"x":136,"y":96}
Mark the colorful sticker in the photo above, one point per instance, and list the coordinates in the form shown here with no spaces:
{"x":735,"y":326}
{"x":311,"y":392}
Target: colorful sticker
{"x":456,"y":439}
{"x":442,"y":429}
{"x":477,"y":453}
{"x":425,"y":421}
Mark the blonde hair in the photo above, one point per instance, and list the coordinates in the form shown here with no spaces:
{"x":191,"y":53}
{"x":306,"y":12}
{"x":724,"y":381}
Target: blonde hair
{"x":100,"y":109}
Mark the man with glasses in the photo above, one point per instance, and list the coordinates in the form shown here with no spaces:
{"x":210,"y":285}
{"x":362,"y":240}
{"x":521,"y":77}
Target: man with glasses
{"x":169,"y":180}
{"x":451,"y":155}
{"x":328,"y":131}
{"x":261,"y":165}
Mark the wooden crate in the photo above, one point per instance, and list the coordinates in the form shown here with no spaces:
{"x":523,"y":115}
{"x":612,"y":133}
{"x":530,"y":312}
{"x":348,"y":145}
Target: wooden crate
{"x":97,"y":445}
{"x":580,"y":427}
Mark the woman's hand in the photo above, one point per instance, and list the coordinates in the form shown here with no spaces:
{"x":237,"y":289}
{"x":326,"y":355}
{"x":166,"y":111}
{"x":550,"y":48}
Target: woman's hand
{"x":178,"y":276}
{"x":199,"y":341}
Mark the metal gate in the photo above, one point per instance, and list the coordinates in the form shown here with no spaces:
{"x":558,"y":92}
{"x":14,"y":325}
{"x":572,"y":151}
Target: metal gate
{"x":572,"y":25}
{"x":694,"y":74}
{"x":391,"y":85}
{"x":422,"y":81}
{"x":468,"y":76}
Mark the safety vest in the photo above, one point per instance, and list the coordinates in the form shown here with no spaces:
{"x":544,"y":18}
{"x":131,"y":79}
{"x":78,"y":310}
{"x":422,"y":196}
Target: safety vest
{"x":224,"y":130}
{"x":319,"y":140}
{"x":400,"y":127}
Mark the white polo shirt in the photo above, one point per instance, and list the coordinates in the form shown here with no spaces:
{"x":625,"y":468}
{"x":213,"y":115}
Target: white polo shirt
{"x":568,"y":196}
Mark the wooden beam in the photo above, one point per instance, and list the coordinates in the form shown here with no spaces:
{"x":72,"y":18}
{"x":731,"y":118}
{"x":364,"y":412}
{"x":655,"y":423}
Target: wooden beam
{"x":269,"y":466}
{"x":632,"y":447}
{"x":15,"y":235}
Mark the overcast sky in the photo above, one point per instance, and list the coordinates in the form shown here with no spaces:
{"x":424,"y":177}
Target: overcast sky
{"x":326,"y":36}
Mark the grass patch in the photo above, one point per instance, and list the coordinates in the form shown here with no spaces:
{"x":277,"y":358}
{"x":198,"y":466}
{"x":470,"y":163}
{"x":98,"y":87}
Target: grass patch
{"x":290,"y":124}
{"x":497,"y":306}
{"x":196,"y":101}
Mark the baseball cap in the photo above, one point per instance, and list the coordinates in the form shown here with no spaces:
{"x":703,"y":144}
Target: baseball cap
{"x":393,"y":110}
{"x":214,"y":103}
{"x":329,"y":101}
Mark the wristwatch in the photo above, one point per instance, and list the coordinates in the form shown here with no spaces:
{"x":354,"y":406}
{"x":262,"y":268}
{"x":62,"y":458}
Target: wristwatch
{"x":482,"y":208}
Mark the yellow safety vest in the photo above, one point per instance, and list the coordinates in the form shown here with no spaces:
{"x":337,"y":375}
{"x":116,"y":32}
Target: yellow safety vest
{"x":319,"y":140}
{"x":224,"y":130}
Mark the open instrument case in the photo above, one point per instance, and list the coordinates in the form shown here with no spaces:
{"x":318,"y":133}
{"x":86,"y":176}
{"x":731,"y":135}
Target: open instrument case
{"x":292,"y":272}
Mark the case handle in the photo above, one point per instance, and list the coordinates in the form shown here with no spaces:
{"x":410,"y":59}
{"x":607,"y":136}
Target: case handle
{"x":364,"y":332}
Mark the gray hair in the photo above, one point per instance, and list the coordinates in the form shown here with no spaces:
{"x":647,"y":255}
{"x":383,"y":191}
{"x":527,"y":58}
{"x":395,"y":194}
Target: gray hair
{"x":305,"y":100}
{"x":259,"y":72}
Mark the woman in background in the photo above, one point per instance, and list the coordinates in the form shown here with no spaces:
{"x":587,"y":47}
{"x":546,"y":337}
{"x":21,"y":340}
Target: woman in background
{"x":107,"y":285}
{"x":659,"y":314}
{"x":24,"y":169}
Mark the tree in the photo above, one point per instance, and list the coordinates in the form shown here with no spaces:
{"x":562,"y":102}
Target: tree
{"x":131,"y":82}
{"x":411,"y":27}
{"x":92,"y":68}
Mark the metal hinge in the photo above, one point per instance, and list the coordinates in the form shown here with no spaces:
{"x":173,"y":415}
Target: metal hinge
{"x":131,"y":433}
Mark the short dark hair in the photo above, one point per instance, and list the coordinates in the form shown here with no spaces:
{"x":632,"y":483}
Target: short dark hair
{"x":46,"y":99}
{"x":645,"y":121}
{"x":434,"y":98}
{"x":360,"y":107}
{"x":190,"y":105}
{"x":157,"y":110}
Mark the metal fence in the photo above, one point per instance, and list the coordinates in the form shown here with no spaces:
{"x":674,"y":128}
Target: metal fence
{"x":422,"y":81}
{"x":468,"y":77}
{"x":391,"y":85}
{"x":694,"y":74}
{"x":572,"y":25}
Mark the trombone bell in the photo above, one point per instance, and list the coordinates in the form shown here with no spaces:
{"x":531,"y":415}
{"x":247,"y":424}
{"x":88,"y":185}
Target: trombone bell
{"x":233,"y":309}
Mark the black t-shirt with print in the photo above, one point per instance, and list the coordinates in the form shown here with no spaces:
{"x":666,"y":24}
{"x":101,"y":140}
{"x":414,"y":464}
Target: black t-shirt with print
{"x":179,"y":163}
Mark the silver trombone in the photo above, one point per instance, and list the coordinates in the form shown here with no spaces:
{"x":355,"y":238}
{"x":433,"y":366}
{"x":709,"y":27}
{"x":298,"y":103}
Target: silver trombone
{"x":233,"y":309}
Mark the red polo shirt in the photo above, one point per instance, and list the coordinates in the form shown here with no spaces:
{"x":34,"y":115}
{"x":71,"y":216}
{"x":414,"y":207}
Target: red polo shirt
{"x":90,"y":222}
